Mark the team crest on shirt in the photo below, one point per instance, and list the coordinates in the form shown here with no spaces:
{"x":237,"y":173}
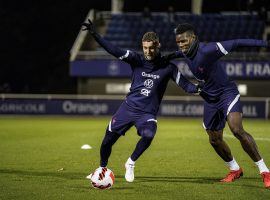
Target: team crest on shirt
{"x":148,"y":83}
{"x":145,"y":92}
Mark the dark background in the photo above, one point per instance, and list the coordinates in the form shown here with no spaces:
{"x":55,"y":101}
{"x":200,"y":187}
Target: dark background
{"x":36,"y":38}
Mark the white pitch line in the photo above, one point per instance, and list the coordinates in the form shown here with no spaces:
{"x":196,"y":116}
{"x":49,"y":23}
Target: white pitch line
{"x":255,"y":138}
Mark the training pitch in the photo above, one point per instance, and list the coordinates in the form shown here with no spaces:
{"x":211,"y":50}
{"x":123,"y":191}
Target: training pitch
{"x":41,"y":158}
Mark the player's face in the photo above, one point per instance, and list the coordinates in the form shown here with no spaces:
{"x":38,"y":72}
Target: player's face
{"x":150,"y":50}
{"x":184,"y":41}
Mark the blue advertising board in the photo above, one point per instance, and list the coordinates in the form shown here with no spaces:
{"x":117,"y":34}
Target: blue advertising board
{"x":175,"y":108}
{"x":117,"y":68}
{"x":251,"y":109}
{"x":58,"y":106}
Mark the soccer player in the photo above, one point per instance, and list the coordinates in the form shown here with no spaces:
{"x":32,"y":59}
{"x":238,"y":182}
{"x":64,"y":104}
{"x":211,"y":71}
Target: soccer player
{"x":150,"y":75}
{"x":222,"y":99}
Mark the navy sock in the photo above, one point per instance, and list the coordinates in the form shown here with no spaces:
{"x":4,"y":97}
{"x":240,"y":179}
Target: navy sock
{"x":106,"y":147}
{"x":141,"y":146}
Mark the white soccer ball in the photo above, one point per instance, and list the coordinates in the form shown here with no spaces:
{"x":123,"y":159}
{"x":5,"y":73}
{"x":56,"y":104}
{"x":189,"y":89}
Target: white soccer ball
{"x":102,"y":178}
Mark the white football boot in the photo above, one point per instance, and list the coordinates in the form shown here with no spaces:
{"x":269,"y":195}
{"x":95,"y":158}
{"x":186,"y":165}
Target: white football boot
{"x":129,"y":176}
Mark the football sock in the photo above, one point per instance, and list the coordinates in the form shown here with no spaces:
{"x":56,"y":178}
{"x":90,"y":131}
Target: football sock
{"x":106,"y":147}
{"x":141,"y":146}
{"x":233,"y":165}
{"x":130,"y":161}
{"x":261,"y":165}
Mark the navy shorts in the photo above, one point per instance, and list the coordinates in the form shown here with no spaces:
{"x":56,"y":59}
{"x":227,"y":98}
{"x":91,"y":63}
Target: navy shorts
{"x":126,"y":116}
{"x":215,"y":114}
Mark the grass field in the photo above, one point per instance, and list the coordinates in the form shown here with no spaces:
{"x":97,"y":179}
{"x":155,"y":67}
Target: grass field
{"x":40,"y":158}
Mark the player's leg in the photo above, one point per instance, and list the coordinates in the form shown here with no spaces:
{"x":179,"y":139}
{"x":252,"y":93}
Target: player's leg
{"x":223,"y":150}
{"x":234,"y":120}
{"x":105,"y":150}
{"x":248,"y":143}
{"x":147,"y":131}
{"x":214,"y":123}
{"x":106,"y":146}
{"x":119,"y":124}
{"x":219,"y":145}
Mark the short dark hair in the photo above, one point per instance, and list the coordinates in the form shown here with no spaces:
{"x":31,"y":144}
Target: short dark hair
{"x":185,"y":27}
{"x":150,"y":37}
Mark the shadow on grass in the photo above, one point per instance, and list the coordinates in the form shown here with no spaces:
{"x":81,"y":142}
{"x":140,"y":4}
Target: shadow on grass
{"x":115,"y":187}
{"x":198,"y":180}
{"x":58,"y":174}
{"x":61,"y":174}
{"x":208,"y":180}
{"x":177,"y":179}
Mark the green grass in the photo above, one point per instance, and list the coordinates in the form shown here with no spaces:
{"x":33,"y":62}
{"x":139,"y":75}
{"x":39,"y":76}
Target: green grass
{"x":180,"y":164}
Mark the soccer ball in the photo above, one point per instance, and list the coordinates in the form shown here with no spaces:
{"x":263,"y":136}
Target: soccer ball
{"x":102,"y":178}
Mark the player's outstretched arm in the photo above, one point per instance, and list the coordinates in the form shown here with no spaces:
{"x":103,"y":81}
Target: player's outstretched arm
{"x":111,"y":49}
{"x":215,"y":50}
{"x":218,"y":49}
{"x":231,"y":45}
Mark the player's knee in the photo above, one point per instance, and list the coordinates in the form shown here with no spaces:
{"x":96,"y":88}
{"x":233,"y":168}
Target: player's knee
{"x":238,"y":132}
{"x":148,"y":131}
{"x":148,"y":134}
{"x":215,"y":142}
{"x":215,"y":138}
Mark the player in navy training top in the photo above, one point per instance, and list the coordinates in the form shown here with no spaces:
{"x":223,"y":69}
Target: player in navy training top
{"x":222,"y":99}
{"x":150,"y":76}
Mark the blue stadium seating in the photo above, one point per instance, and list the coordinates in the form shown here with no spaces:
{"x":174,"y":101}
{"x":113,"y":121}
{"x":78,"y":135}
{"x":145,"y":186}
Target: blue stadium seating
{"x":126,"y":30}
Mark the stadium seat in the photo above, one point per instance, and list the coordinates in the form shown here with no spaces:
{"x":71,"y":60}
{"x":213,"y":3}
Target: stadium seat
{"x":126,"y":30}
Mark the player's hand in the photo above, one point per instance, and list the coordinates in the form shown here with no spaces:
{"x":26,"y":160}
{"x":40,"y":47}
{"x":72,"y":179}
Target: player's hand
{"x":198,"y":89}
{"x":199,"y":86}
{"x":88,"y":26}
